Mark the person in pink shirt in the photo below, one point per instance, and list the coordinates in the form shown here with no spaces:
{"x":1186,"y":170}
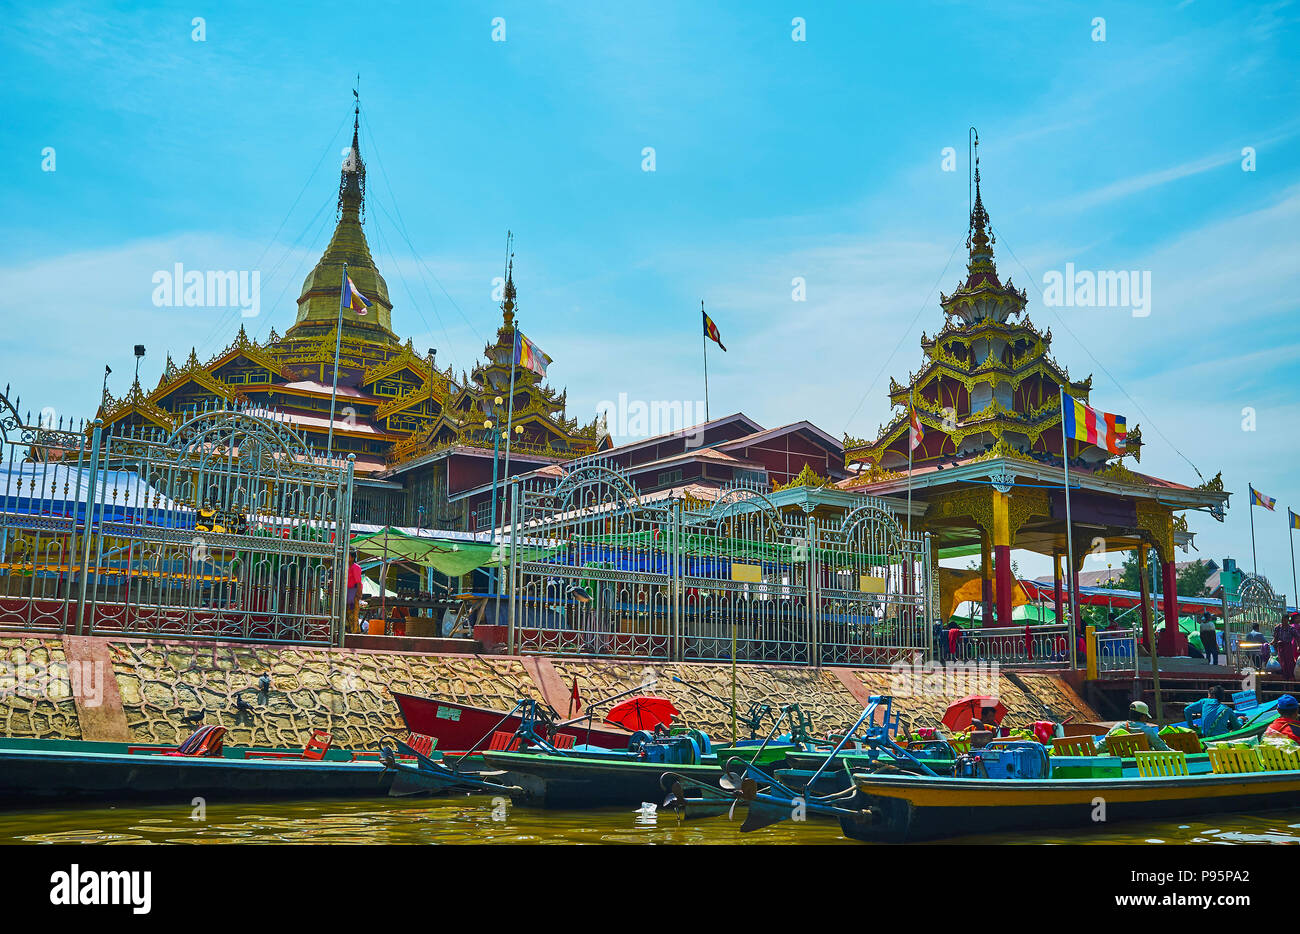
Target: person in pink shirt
{"x":354,"y":590}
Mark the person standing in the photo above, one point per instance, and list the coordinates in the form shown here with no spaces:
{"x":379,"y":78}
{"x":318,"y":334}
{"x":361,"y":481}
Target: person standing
{"x":940,"y":642}
{"x":354,"y":591}
{"x":1285,"y":646}
{"x":1209,"y":639}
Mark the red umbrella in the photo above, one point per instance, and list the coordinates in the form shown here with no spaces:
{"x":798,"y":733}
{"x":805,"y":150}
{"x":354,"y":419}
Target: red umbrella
{"x":642,"y":713}
{"x":960,"y":713}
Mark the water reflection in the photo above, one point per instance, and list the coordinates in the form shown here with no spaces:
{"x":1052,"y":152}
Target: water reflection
{"x":483,"y":820}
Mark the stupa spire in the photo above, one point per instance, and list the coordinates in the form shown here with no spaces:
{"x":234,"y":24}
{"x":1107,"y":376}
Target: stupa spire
{"x":352,"y":178}
{"x":318,"y":303}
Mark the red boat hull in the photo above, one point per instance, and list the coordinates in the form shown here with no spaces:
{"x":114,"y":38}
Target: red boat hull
{"x":459,"y":727}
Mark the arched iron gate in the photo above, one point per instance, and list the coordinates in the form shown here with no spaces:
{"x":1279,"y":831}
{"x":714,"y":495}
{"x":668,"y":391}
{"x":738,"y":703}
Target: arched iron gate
{"x":226,"y":527}
{"x":596,"y":568}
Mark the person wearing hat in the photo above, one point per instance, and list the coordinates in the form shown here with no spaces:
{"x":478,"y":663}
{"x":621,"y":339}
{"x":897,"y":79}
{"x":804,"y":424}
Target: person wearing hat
{"x":1139,"y":721}
{"x":1287,"y":724}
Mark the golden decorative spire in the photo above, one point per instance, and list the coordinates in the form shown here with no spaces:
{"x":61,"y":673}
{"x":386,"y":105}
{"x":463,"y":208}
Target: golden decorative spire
{"x":508,"y":298}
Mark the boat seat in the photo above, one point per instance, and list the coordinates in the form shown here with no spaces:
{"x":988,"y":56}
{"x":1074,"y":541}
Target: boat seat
{"x":1277,"y":758}
{"x":503,"y":742}
{"x":563,"y":740}
{"x":1160,"y":764}
{"x":318,"y":745}
{"x":1074,"y":746}
{"x":1126,"y":744}
{"x":422,"y":744}
{"x":1183,"y":742}
{"x":1231,"y":760}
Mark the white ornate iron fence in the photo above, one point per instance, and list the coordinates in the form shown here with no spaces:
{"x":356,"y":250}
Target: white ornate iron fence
{"x":226,"y":527}
{"x":597,"y":569}
{"x":1018,"y":646}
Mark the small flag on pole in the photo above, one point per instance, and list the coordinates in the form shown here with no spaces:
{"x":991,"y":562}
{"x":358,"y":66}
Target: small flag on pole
{"x":575,"y":701}
{"x":1293,"y":520}
{"x":1104,"y":429}
{"x":711,"y":329}
{"x":352,"y":297}
{"x":916,"y":430}
{"x":529,"y":355}
{"x":1259,"y":499}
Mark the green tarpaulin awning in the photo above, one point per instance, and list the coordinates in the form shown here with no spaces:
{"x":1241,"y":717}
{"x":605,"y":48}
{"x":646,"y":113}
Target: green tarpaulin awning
{"x":446,"y":556}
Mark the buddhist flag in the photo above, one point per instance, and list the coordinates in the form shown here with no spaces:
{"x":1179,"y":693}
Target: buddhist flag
{"x":1084,"y":423}
{"x":711,"y":329}
{"x":528,"y":354}
{"x":352,"y":297}
{"x":1259,"y":499}
{"x":916,"y":431}
{"x":1293,"y":521}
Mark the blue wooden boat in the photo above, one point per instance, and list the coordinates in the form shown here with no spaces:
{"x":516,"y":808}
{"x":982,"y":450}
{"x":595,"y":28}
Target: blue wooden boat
{"x":39,"y":771}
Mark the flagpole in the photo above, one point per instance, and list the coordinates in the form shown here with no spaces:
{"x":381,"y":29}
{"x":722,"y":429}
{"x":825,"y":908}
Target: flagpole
{"x":338,"y":346}
{"x":1253,"y":559}
{"x":911,"y":444}
{"x":704,"y":339}
{"x":1290,"y":534}
{"x":510,"y":421}
{"x":1069,"y":527}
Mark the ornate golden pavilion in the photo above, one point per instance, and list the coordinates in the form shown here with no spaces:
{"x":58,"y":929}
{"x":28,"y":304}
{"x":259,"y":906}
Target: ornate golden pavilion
{"x":989,"y":467}
{"x":395,"y":409}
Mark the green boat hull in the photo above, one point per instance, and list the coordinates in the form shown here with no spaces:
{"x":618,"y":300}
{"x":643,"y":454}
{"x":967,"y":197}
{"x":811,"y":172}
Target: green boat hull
{"x":576,"y":782}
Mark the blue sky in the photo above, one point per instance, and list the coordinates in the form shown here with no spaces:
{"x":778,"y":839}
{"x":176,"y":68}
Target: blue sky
{"x":775,"y":159}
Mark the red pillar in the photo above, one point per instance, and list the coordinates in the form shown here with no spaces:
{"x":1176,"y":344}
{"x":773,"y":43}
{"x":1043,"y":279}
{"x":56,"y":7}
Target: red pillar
{"x":1169,"y":639}
{"x":1002,"y":568}
{"x":1058,"y":589}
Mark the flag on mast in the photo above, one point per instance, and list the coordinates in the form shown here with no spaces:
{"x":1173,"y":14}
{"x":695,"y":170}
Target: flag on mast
{"x":1259,"y":499}
{"x":1084,"y":423}
{"x":530,"y":356}
{"x":352,"y":297}
{"x":711,"y":329}
{"x":1293,"y":521}
{"x":916,"y":430}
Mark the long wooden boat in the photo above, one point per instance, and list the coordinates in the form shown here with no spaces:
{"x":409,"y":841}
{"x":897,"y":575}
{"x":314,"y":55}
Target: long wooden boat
{"x":459,"y":727}
{"x":897,"y":808}
{"x":576,"y":781}
{"x":34,"y":775}
{"x":36,"y":771}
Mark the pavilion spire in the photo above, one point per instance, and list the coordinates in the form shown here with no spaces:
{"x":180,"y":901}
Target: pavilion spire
{"x":508,"y":296}
{"x":980,"y":267}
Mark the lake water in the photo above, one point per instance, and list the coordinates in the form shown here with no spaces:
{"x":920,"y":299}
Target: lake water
{"x":479,"y":820}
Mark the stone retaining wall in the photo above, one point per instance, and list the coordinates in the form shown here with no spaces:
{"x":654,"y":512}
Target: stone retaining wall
{"x":155,"y":692}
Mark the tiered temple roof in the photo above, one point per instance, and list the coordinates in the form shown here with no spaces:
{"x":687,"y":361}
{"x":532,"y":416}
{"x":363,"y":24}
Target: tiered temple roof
{"x":393,"y":404}
{"x":988,"y":385}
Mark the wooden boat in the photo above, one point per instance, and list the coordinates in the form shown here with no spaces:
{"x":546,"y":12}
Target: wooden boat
{"x":458,"y":727}
{"x":899,"y":808}
{"x":578,"y":781}
{"x":37,"y":771}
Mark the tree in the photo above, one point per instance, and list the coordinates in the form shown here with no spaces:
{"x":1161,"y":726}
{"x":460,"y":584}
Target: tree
{"x":1192,"y":578}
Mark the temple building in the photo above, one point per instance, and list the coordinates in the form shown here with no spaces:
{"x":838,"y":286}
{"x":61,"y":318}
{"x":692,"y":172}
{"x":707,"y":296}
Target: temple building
{"x":417,"y":432}
{"x":989,"y":469}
